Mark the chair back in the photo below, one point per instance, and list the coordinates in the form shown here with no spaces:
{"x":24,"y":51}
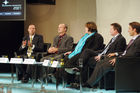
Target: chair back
{"x":46,"y":46}
{"x":127,"y":75}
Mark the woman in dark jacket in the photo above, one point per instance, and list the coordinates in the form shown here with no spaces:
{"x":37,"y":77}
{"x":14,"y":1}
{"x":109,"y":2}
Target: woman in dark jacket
{"x":91,"y":40}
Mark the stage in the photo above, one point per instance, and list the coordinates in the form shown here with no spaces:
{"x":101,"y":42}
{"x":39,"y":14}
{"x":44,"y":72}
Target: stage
{"x":18,"y":87}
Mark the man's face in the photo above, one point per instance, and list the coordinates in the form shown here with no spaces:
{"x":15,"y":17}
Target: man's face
{"x":31,"y":29}
{"x":113,"y":32}
{"x":131,"y":31}
{"x":61,"y":28}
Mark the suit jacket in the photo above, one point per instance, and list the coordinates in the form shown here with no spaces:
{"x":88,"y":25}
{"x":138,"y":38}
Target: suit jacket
{"x":118,"y":45}
{"x":134,"y":49}
{"x":37,"y":41}
{"x":66,"y":43}
{"x":95,"y":42}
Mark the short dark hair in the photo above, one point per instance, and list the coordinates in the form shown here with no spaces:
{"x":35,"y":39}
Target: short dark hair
{"x":92,"y":27}
{"x":135,"y":25}
{"x":117,"y":27}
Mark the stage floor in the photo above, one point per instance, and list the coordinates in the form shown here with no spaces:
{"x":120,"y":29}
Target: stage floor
{"x":18,"y":87}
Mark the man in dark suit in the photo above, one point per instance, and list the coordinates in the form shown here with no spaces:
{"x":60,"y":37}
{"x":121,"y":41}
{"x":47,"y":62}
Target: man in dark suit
{"x":31,"y":44}
{"x":90,"y":57}
{"x":132,"y":50}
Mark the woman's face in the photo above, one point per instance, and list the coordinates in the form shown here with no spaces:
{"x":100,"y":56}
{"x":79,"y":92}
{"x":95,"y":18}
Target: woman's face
{"x":86,"y":30}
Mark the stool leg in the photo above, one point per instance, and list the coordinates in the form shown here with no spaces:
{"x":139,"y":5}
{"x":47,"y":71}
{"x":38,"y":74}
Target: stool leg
{"x":81,"y":80}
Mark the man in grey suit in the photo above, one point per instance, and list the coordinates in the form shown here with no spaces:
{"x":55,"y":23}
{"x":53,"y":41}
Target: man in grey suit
{"x":61,"y":44}
{"x":132,"y":50}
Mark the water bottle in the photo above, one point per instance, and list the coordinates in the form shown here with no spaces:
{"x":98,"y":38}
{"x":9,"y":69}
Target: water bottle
{"x":52,"y":59}
{"x":62,"y":62}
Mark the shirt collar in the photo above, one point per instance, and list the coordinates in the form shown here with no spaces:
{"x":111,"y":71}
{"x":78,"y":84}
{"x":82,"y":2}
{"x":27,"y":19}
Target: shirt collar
{"x":135,"y":36}
{"x":116,"y":35}
{"x":32,"y":36}
{"x":61,"y":36}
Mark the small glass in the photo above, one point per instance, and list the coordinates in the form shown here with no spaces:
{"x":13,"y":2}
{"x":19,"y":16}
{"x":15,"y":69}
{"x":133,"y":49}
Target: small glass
{"x":80,"y":62}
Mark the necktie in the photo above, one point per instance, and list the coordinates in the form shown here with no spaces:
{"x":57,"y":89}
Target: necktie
{"x":129,"y":44}
{"x":31,"y":39}
{"x":60,"y":38}
{"x":106,"y":49}
{"x":29,"y":51}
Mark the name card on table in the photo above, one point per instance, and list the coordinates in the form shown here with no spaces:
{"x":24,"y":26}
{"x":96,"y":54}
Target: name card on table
{"x":4,"y":60}
{"x":29,"y":61}
{"x":55,"y":64}
{"x":46,"y":63}
{"x":16,"y":60}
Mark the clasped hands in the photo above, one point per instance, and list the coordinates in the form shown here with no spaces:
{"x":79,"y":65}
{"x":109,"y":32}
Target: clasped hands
{"x":112,"y":61}
{"x":52,"y":50}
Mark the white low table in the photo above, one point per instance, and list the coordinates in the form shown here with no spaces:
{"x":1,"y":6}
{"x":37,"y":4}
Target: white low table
{"x":14,"y":61}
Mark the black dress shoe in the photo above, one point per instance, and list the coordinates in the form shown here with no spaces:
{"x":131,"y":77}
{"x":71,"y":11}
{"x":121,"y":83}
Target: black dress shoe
{"x":74,"y":85}
{"x":19,"y":77}
{"x":86,"y":85}
{"x":25,"y":79}
{"x":52,"y":78}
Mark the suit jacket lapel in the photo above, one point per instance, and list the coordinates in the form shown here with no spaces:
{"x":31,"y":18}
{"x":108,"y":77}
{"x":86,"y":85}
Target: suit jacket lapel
{"x":34,"y":39}
{"x":133,"y":42}
{"x":114,"y":41}
{"x":117,"y":39}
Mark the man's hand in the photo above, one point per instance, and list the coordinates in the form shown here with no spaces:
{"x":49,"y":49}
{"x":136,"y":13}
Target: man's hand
{"x":29,"y":44}
{"x":97,"y":58}
{"x":111,"y":54}
{"x":112,"y":61}
{"x":67,"y":53}
{"x":24,"y":43}
{"x":52,"y":50}
{"x":55,"y":49}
